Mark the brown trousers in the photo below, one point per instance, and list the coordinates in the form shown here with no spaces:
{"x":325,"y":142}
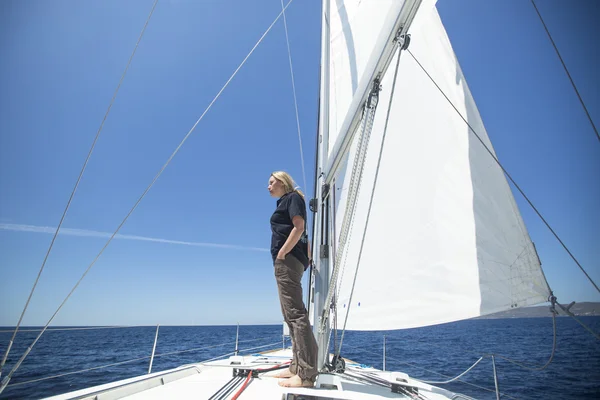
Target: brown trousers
{"x":288,"y":274}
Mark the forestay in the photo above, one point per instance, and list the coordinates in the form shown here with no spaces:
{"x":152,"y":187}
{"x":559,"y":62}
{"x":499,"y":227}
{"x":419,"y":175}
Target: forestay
{"x":445,"y":240}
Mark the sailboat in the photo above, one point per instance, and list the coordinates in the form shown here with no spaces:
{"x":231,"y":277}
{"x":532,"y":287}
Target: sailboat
{"x":400,"y":144}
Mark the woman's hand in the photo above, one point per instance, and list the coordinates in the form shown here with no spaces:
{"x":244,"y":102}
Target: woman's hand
{"x":292,"y":238}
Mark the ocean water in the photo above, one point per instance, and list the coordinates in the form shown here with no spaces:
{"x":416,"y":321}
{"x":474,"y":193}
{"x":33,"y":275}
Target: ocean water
{"x":430,"y":353}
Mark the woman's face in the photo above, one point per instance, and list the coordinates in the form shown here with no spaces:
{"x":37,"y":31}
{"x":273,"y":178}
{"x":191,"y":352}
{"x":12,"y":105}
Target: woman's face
{"x":275,"y":187}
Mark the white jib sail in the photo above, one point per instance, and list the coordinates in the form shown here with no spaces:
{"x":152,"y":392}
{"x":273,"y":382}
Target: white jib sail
{"x":445,"y":240}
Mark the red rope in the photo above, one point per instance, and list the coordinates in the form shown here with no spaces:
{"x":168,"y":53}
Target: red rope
{"x":248,"y":379}
{"x":279,"y":366}
{"x":246,"y":383}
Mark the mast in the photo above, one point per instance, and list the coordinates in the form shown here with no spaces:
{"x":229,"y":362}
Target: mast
{"x":320,"y":247}
{"x":397,"y":21}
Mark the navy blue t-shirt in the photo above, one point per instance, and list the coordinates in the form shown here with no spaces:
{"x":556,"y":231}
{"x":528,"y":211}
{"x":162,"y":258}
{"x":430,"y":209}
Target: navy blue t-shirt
{"x":288,"y":206}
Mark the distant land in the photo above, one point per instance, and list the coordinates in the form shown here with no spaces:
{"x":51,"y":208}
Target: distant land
{"x":579,"y":309}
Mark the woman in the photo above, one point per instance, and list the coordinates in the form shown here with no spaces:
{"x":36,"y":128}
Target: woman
{"x":289,"y":248}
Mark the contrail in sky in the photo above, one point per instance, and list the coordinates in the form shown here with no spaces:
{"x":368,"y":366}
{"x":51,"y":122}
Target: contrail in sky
{"x":89,"y":233}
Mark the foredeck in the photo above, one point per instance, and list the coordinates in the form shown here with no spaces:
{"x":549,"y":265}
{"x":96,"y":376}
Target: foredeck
{"x":210,"y":381}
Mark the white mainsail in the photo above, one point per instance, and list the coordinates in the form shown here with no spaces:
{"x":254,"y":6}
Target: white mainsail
{"x":356,"y":27}
{"x":445,"y":240}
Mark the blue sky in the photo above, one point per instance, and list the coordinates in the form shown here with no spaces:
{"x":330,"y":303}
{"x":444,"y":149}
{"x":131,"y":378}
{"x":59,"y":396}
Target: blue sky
{"x":61,"y":63}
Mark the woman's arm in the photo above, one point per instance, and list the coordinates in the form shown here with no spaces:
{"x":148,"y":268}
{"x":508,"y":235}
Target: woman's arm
{"x":295,"y":235}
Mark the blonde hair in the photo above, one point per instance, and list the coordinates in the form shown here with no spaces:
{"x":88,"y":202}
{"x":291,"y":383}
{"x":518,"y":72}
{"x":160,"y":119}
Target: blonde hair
{"x":288,"y":183}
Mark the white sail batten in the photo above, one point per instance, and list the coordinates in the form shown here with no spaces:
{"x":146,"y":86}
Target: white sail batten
{"x":445,"y":240}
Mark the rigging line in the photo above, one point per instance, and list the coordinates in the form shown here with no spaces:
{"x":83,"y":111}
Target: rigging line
{"x":64,"y":214}
{"x":334,"y":299}
{"x":333,"y":332}
{"x":533,"y":368}
{"x":430,"y":371}
{"x":227,"y":391}
{"x":566,"y":70}
{"x":477,"y":353}
{"x":246,"y":383}
{"x":506,"y":172}
{"x":570,"y":314}
{"x":287,"y":40}
{"x":362,"y":242}
{"x":366,"y":126}
{"x":75,"y":329}
{"x":365,"y":377}
{"x":457,"y":377}
{"x":77,"y":372}
{"x":214,"y":346}
{"x":216,"y":358}
{"x":243,"y":350}
{"x":260,"y":347}
{"x":139,"y":359}
{"x":144,"y":194}
{"x":218,"y":394}
{"x":341,"y":266}
{"x":371,"y":378}
{"x":190,"y":350}
{"x":344,"y":261}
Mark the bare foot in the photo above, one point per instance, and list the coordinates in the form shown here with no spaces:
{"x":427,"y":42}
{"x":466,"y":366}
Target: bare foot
{"x":283,"y":374}
{"x":295,"y":381}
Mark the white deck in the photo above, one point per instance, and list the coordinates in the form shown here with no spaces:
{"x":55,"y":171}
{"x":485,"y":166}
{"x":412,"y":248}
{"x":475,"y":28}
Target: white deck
{"x":201,"y":381}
